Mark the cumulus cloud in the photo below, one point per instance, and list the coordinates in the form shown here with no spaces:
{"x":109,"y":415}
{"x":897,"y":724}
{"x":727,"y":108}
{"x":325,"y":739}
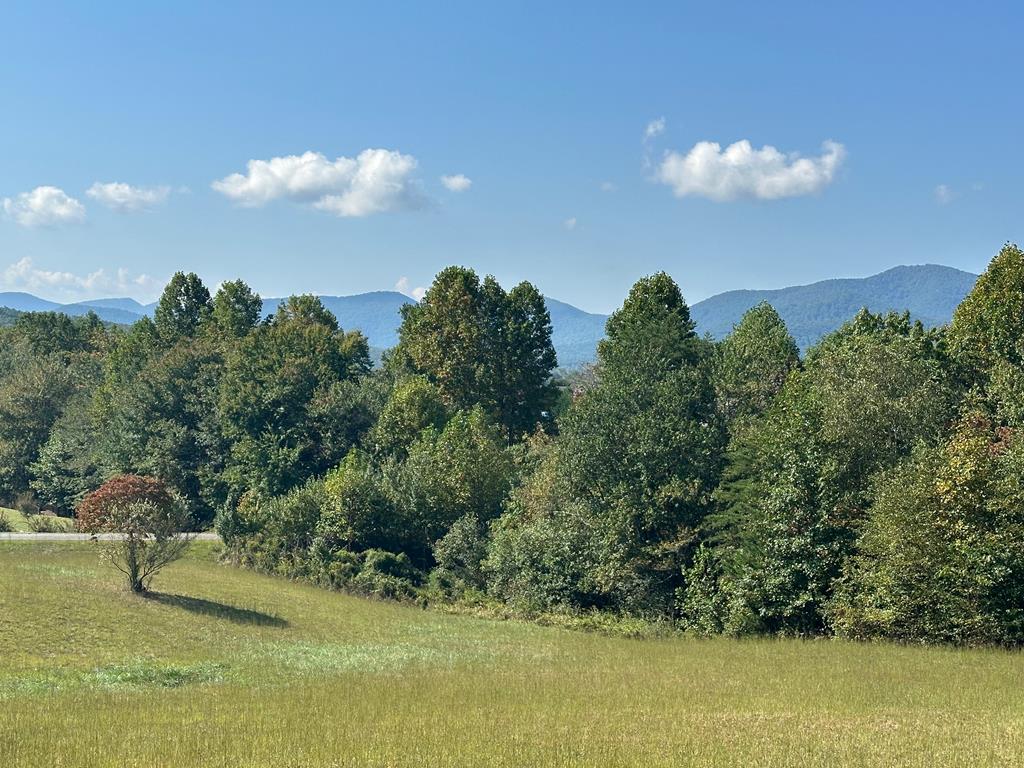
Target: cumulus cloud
{"x":404,"y":286}
{"x":125,"y":198}
{"x":570,"y":223}
{"x":944,"y":194}
{"x":654,"y":129}
{"x":740,"y":171}
{"x":376,"y":181}
{"x":44,"y":207}
{"x":457,"y":183}
{"x":24,"y":275}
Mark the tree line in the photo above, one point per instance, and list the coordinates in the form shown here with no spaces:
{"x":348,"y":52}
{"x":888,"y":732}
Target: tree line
{"x":873,"y":487}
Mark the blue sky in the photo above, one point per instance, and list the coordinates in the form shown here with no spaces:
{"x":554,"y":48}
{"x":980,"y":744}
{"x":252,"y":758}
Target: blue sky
{"x":583,"y":130}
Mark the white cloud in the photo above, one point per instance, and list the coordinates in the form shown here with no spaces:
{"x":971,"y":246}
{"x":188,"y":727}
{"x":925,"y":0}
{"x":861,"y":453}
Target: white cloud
{"x":944,"y":194}
{"x":654,"y":128}
{"x":376,"y":181}
{"x":125,"y":198}
{"x":457,"y":183}
{"x":24,"y":275}
{"x":607,"y":186}
{"x":740,"y":171}
{"x":44,"y":207}
{"x":570,"y":223}
{"x":403,"y":286}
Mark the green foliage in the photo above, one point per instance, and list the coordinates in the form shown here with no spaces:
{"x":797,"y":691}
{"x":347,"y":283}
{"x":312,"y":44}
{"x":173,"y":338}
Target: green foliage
{"x":413,"y":406}
{"x":542,"y":553}
{"x":31,"y":400}
{"x":236,"y":309}
{"x":387,"y":575}
{"x":459,"y":555}
{"x":183,"y":307}
{"x":941,"y":556}
{"x":728,"y":488}
{"x":67,"y":467}
{"x":163,"y":422}
{"x":482,"y":346}
{"x":752,"y":364}
{"x":793,"y":510}
{"x":359,"y":512}
{"x":609,"y":516}
{"x":465,"y":469}
{"x":989,"y":324}
{"x":277,"y":401}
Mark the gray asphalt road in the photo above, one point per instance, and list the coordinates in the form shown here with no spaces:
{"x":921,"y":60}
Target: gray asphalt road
{"x":84,"y":537}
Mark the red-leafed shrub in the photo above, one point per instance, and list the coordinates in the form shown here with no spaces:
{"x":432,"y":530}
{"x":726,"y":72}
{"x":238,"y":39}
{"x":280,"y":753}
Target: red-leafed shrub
{"x":95,"y":511}
{"x":145,"y":523}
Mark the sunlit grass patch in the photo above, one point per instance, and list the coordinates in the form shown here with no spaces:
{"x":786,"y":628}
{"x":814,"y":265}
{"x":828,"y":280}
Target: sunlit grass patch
{"x":315,"y":658}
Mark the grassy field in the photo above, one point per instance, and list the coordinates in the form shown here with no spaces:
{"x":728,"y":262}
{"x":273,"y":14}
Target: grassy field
{"x":20,"y":524}
{"x":229,"y":668}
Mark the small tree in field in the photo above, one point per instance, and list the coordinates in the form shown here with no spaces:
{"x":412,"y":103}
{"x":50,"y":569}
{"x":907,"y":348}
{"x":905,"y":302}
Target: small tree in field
{"x":145,"y":524}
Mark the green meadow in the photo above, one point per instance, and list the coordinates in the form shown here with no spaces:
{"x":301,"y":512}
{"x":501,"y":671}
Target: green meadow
{"x":225,"y":667}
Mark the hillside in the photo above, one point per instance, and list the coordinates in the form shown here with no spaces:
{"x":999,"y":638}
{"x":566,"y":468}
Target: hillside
{"x":230,"y":668}
{"x":930,"y":292}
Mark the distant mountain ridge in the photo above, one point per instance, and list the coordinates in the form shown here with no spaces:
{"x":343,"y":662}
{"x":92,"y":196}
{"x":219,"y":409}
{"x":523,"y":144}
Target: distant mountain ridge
{"x":930,"y":293}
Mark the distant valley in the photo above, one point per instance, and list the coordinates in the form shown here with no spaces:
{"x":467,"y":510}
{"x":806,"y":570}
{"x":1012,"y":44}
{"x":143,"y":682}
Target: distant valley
{"x":929,"y":292}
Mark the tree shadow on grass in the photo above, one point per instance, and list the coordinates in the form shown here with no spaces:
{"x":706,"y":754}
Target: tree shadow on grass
{"x":217,"y":610}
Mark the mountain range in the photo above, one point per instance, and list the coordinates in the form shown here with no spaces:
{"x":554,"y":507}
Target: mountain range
{"x":929,"y":292}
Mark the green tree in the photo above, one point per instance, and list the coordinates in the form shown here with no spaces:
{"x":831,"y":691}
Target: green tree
{"x":753,"y":363}
{"x":275,"y":381}
{"x":68,"y":467}
{"x":413,"y":406}
{"x":941,"y":556}
{"x":989,"y":323}
{"x":481,"y":345}
{"x":638,"y":456}
{"x":184,"y":305}
{"x":236,"y":309}
{"x":464,"y":469}
{"x":163,"y":422}
{"x":793,"y":508}
{"x":517,"y":357}
{"x":442,"y":335}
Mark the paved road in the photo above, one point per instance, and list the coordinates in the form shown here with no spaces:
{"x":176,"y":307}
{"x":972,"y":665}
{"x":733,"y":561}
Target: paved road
{"x":84,"y":537}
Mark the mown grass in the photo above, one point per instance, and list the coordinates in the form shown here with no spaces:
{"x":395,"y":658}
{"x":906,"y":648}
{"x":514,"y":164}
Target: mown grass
{"x":231,"y":668}
{"x":19,"y":523}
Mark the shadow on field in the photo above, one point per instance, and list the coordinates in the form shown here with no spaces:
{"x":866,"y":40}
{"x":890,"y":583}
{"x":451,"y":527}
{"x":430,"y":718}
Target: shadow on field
{"x":218,"y":610}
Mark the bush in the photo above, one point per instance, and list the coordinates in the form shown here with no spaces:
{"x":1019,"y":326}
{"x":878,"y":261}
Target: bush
{"x":236,"y":521}
{"x":459,"y":555}
{"x":941,"y":558}
{"x":358,"y":513}
{"x":27,"y":504}
{"x":6,"y":526}
{"x":149,"y":522}
{"x":387,"y":575}
{"x":93,"y":512}
{"x":40,"y":523}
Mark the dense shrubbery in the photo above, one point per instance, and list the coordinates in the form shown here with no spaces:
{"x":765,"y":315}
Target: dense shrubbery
{"x":873,"y":489}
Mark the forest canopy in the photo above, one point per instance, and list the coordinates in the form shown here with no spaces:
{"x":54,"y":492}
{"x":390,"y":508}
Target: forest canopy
{"x":872,"y":488}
